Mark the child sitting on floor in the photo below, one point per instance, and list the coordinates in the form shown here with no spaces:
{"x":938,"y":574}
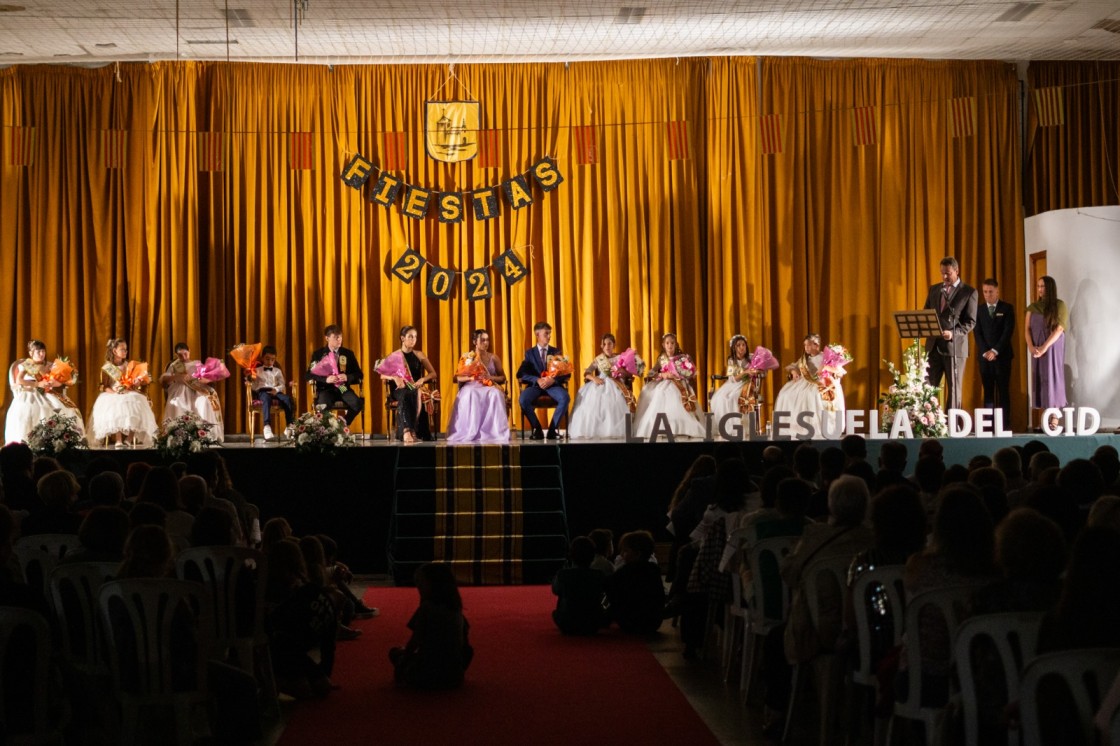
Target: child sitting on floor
{"x":579,"y":591}
{"x":438,"y":653}
{"x":635,"y":592}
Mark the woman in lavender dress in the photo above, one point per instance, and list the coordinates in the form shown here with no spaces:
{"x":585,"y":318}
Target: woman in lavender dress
{"x":1045,"y":331}
{"x":480,"y":413}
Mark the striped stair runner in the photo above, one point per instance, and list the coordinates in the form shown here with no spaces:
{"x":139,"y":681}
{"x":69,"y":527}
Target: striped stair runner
{"x":494,"y":512}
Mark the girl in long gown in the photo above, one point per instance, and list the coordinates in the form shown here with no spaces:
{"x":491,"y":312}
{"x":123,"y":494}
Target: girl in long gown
{"x":35,"y":396}
{"x":1045,"y":327}
{"x":121,"y":410}
{"x":670,"y":391}
{"x":479,"y":413}
{"x":603,"y":402}
{"x":807,"y":392}
{"x":412,"y":422}
{"x":187,"y":394}
{"x":739,"y":371}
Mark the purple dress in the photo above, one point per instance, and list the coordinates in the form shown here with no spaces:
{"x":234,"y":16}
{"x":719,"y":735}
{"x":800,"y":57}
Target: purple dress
{"x":1048,"y":374}
{"x":479,"y":413}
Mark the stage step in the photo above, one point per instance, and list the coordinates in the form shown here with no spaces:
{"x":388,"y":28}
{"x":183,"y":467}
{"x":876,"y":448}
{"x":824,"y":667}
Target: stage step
{"x":495,"y":513}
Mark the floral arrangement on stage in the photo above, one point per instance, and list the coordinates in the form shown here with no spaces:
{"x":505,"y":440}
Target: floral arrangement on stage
{"x":471,"y":367}
{"x":211,"y":370}
{"x":911,"y":393}
{"x":628,"y":365}
{"x":183,"y":435}
{"x":320,"y":431}
{"x":247,"y":357}
{"x":54,"y":435}
{"x":558,"y":365}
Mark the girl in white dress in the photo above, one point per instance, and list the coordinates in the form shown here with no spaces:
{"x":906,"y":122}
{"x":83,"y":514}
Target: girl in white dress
{"x":739,"y":373}
{"x":35,"y":396}
{"x":806,"y":391}
{"x":603,"y":402}
{"x":121,"y":410}
{"x":669,"y":391}
{"x":186,"y":394}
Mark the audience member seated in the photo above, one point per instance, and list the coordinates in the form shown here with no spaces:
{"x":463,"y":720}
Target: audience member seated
{"x":892,"y":464}
{"x":20,"y":493}
{"x":1030,"y":553}
{"x":1108,"y":461}
{"x":438,"y":652}
{"x":635,"y":594}
{"x":579,"y":591}
{"x":1011,"y":466}
{"x":301,"y":618}
{"x":102,"y":536}
{"x":993,"y":490}
{"x":603,"y":539}
{"x":58,"y":491}
{"x":213,"y":527}
{"x":1082,"y":483}
{"x":1088,"y":611}
{"x":1105,"y":513}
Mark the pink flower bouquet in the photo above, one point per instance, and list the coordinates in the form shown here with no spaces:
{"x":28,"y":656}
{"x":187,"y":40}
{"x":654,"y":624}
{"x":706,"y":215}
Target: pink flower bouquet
{"x":211,"y":370}
{"x":393,"y":366}
{"x":628,"y":365}
{"x":833,"y":360}
{"x":763,"y":359}
{"x":327,"y":365}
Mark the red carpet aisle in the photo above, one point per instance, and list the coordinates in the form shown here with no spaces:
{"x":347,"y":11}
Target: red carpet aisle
{"x":527,"y":684}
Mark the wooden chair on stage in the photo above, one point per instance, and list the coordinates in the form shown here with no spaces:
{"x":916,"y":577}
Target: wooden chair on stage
{"x":338,"y":406}
{"x":429,"y":404}
{"x":545,"y":402}
{"x":753,"y":386}
{"x":253,"y":409}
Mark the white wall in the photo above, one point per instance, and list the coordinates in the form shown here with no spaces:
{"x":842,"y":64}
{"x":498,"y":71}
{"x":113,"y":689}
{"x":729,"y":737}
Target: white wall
{"x":1083,"y":256}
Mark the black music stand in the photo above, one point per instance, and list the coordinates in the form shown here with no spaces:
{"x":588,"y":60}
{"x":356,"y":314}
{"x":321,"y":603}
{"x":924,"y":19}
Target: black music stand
{"x":918,"y":324}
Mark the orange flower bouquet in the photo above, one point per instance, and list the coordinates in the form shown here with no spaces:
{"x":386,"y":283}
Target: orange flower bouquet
{"x":470,"y":365}
{"x":247,"y":357}
{"x":558,"y":365}
{"x":62,"y":372}
{"x":135,"y":375}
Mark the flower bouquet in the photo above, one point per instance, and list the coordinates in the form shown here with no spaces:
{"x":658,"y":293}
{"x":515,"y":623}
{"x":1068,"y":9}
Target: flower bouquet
{"x":628,"y":365}
{"x":54,"y":435}
{"x":911,"y":393}
{"x":320,"y":431}
{"x":679,"y":366}
{"x":326,"y":366}
{"x":211,"y":370}
{"x":183,"y":435}
{"x":469,"y":365}
{"x":393,"y":366}
{"x":247,"y":357}
{"x":557,"y":365}
{"x":62,"y":372}
{"x":833,"y":360}
{"x":763,"y":359}
{"x":135,"y":375}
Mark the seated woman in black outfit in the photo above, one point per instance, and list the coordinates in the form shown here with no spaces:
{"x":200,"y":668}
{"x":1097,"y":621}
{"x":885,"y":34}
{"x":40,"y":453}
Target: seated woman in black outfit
{"x":407,"y":370}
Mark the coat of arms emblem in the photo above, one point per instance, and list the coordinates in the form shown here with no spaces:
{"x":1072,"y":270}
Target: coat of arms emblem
{"x":451,"y":130}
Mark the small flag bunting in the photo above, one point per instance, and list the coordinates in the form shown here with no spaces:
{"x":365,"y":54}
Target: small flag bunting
{"x":865,"y":127}
{"x":678,"y":140}
{"x":770,"y":127}
{"x":586,"y":145}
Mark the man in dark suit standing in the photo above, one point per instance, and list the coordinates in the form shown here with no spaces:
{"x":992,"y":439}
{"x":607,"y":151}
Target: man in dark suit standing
{"x":995,"y":324}
{"x":955,"y":303}
{"x":335,"y":386}
{"x":532,"y":372}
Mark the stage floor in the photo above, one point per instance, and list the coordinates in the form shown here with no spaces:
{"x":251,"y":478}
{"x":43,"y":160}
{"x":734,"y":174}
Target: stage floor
{"x":607,"y":483}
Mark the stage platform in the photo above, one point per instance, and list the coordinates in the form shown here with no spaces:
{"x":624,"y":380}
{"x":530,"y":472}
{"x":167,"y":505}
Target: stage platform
{"x":607,"y":483}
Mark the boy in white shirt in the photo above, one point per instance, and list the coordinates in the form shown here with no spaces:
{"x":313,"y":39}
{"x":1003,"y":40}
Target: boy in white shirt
{"x":268,"y":386}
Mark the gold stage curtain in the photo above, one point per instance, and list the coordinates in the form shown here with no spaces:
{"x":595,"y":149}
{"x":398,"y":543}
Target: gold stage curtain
{"x":202,"y":202}
{"x":854,"y":232}
{"x":1075,"y":163}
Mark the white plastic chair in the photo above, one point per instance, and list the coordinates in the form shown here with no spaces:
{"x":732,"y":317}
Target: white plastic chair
{"x":886,"y":582}
{"x":235,"y":579}
{"x":158,"y":627}
{"x":765,"y":560}
{"x":74,"y":588}
{"x":1087,"y":674}
{"x":1014,"y":636}
{"x":21,"y":629}
{"x":950,"y":603}
{"x":815,"y":578}
{"x":39,"y":553}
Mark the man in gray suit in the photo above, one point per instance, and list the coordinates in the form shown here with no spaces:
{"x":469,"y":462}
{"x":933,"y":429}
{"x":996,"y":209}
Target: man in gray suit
{"x":955,"y":303}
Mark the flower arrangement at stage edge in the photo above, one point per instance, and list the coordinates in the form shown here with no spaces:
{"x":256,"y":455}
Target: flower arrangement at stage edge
{"x":628,"y":365}
{"x":54,"y":435}
{"x":320,"y":431}
{"x":911,"y":393}
{"x":183,"y":435}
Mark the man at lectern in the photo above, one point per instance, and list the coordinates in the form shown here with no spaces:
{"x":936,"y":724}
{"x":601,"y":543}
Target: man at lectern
{"x":955,"y":303}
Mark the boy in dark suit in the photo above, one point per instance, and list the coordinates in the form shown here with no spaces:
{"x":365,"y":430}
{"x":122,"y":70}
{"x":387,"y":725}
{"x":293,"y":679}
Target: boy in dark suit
{"x":333,"y":387}
{"x":532,"y":372}
{"x":995,"y":324}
